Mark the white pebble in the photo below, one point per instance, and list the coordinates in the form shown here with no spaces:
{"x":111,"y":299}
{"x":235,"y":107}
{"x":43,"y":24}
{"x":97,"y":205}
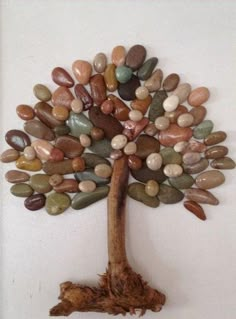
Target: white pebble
{"x":119,"y":141}
{"x":180,"y":146}
{"x":130,"y":148}
{"x":185,"y":120}
{"x":173,"y":170}
{"x":162,"y":123}
{"x":135,"y":115}
{"x":170,"y":104}
{"x":103,"y":170}
{"x":141,"y":93}
{"x":87,"y":186}
{"x":154,"y":161}
{"x":85,"y":140}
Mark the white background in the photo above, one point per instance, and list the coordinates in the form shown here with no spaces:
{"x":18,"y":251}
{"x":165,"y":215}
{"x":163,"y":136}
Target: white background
{"x":192,"y":262}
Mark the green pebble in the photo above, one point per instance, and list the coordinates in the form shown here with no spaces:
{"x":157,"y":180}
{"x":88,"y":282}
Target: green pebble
{"x":89,"y":175}
{"x":169,"y":195}
{"x":203,"y":129}
{"x":137,"y":192}
{"x":170,"y":156}
{"x":21,"y":190}
{"x":183,"y":181}
{"x":102,"y":148}
{"x":42,"y":93}
{"x":79,"y":124}
{"x":156,"y":107}
{"x":61,"y":130}
{"x":123,"y":74}
{"x":91,"y":160}
{"x":40,"y":183}
{"x":82,"y":200}
{"x":146,"y":69}
{"x":57,"y":203}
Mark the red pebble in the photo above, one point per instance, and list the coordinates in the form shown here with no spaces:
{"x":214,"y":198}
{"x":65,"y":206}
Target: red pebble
{"x":56,"y":155}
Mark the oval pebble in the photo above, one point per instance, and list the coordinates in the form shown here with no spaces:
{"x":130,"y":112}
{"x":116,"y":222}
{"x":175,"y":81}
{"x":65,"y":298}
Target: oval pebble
{"x":35,"y":202}
{"x":107,"y":107}
{"x":82,"y":200}
{"x":191,"y":158}
{"x":146,"y":69}
{"x":102,"y":147}
{"x":209,"y":179}
{"x":171,"y":103}
{"x":9,"y":155}
{"x":69,"y":185}
{"x":216,"y":152}
{"x":135,"y":56}
{"x":195,"y":208}
{"x":146,"y":145}
{"x":77,"y":106}
{"x":215,"y":138}
{"x":60,"y":112}
{"x":183,"y":181}
{"x":134,"y":162}
{"x":152,"y":188}
{"x":169,"y":195}
{"x":87,"y":186}
{"x":119,"y":141}
{"x":130,"y":148}
{"x":69,"y":145}
{"x":118,"y":55}
{"x":29,"y":153}
{"x":110,"y":77}
{"x":15,"y":177}
{"x":198,"y":114}
{"x":185,"y":120}
{"x":156,"y":107}
{"x":141,"y":93}
{"x":162,"y":123}
{"x":61,"y":77}
{"x":103,"y":170}
{"x":85,"y":140}
{"x":182,"y":91}
{"x":98,"y":89}
{"x":174,"y":134}
{"x":62,"y":96}
{"x":201,"y":196}
{"x":25,"y":112}
{"x":198,"y":96}
{"x":21,"y":190}
{"x":40,"y":183}
{"x":57,"y":203}
{"x":171,"y":82}
{"x":203,"y":129}
{"x":195,"y":146}
{"x":82,"y":71}
{"x":43,"y":149}
{"x":135,"y":115}
{"x":154,"y":82}
{"x":39,"y":130}
{"x":180,"y":146}
{"x":97,"y":133}
{"x":170,"y":156}
{"x":44,"y":112}
{"x":154,"y":161}
{"x":197,"y":167}
{"x":42,"y":93}
{"x":100,"y":62}
{"x":62,"y":167}
{"x":17,"y":139}
{"x":144,"y":174}
{"x":23,"y":163}
{"x":82,"y":94}
{"x":173,"y":170}
{"x":137,"y":192}
{"x":123,"y":74}
{"x":223,"y":163}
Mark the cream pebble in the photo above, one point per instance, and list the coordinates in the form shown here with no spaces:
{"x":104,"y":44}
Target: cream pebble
{"x":141,"y":93}
{"x":173,"y":170}
{"x":162,"y":123}
{"x":154,"y":161}
{"x":130,"y":148}
{"x":87,"y":186}
{"x":152,"y":188}
{"x":29,"y":153}
{"x":77,"y":106}
{"x":119,"y":141}
{"x":135,"y":115}
{"x":180,"y":146}
{"x":171,"y":103}
{"x":185,"y":120}
{"x":191,"y":158}
{"x":103,"y":170}
{"x":85,"y":140}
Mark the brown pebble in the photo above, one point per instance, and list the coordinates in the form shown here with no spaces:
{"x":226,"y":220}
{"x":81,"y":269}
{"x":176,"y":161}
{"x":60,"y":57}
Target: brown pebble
{"x":135,"y":128}
{"x":98,"y":88}
{"x":110,"y":77}
{"x":135,"y":57}
{"x":69,"y":185}
{"x":97,"y":133}
{"x":151,"y":129}
{"x":195,"y":208}
{"x":174,"y":134}
{"x":55,"y":180}
{"x":82,"y":94}
{"x":198,"y":113}
{"x":201,"y":196}
{"x":118,"y":55}
{"x":60,"y":113}
{"x":44,"y":112}
{"x":82,"y":71}
{"x":134,"y":162}
{"x":171,"y":82}
{"x":69,"y":145}
{"x":25,"y":112}
{"x":141,"y":105}
{"x":61,"y":77}
{"x":62,"y":96}
{"x":56,"y":155}
{"x":216,"y":152}
{"x":198,"y":96}
{"x":78,"y":164}
{"x":35,"y":202}
{"x":209,"y":179}
{"x":61,"y":167}
{"x":154,"y":82}
{"x":17,"y":139}
{"x":107,"y":106}
{"x":9,"y":155}
{"x":223,"y":163}
{"x":215,"y":138}
{"x":38,"y":129}
{"x":14,"y":176}
{"x":121,"y":110}
{"x":146,"y":145}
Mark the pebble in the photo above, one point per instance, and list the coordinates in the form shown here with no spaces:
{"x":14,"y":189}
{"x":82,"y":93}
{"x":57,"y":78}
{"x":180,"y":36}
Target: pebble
{"x":197,"y":167}
{"x":182,"y":91}
{"x":127,"y":90}
{"x":78,"y":164}
{"x":102,"y":147}
{"x":195,"y":208}
{"x":198,"y":96}
{"x":191,"y":158}
{"x":183,"y":181}
{"x":216,"y":152}
{"x":25,"y":112}
{"x":23,"y":163}
{"x":40,"y":183}
{"x":203,"y":129}
{"x":223,"y":163}
{"x":137,"y":192}
{"x":87,"y":186}
{"x":77,"y":106}
{"x":107,"y":107}
{"x":97,"y":134}
{"x":201,"y":196}
{"x":29,"y":153}
{"x":144,"y":174}
{"x":173,"y":170}
{"x":42,"y":93}
{"x":55,"y":179}
{"x":185,"y":120}
{"x":135,"y":57}
{"x":103,"y":170}
{"x":215,"y":138}
{"x":171,"y":82}
{"x":147,"y":68}
{"x":180,"y":146}
{"x":62,"y":78}
{"x":35,"y":202}
{"x":118,"y":141}
{"x":63,"y":167}
{"x":69,"y":185}
{"x":169,"y":195}
{"x":152,"y":188}
{"x":151,"y":129}
{"x":39,"y":130}
{"x":44,"y":112}
{"x":135,"y":115}
{"x":82,"y":200}
{"x":62,"y":96}
{"x":118,"y":55}
{"x":146,"y":145}
{"x":100,"y":62}
{"x":116,"y":154}
{"x":170,"y":156}
{"x":17,"y":139}
{"x":162,"y":123}
{"x":82,"y":71}
{"x":173,"y":116}
{"x":110,"y":77}
{"x":209,"y":179}
{"x":195,"y":146}
{"x":57,"y":203}
{"x":121,"y":110}
{"x":83,"y":95}
{"x":154,"y":161}
{"x":21,"y":190}
{"x":10,"y":155}
{"x":123,"y":74}
{"x":154,"y":82}
{"x":69,"y":145}
{"x":171,"y":102}
{"x":174,"y":134}
{"x":141,"y":105}
{"x":56,"y":155}
{"x":15,"y":177}
{"x":198,"y":114}
{"x":61,"y":130}
{"x":134,"y":162}
{"x":141,"y":93}
{"x":130,"y":148}
{"x":110,"y":125}
{"x":79,"y":124}
{"x":98,"y":89}
{"x":156,"y":107}
{"x":135,"y":128}
{"x":85,"y":140}
{"x":43,"y":149}
{"x":60,"y":113}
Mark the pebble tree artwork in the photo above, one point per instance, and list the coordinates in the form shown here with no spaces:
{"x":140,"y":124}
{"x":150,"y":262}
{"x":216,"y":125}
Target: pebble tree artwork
{"x":89,"y":138}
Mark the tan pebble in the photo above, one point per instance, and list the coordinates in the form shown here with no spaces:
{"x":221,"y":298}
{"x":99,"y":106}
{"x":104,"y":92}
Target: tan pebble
{"x":171,"y":81}
{"x":103,"y":170}
{"x":119,"y":141}
{"x":154,"y":161}
{"x":15,"y":177}
{"x":107,"y":106}
{"x":85,"y":140}
{"x":198,"y":114}
{"x":82,"y":71}
{"x":87,"y":186}
{"x":116,"y":154}
{"x":180,"y":146}
{"x":198,"y":96}
{"x":162,"y":123}
{"x":97,"y":133}
{"x":78,"y":164}
{"x":42,"y":92}
{"x":201,"y":196}
{"x":100,"y":62}
{"x":171,"y":102}
{"x":134,"y":162}
{"x":77,"y":106}
{"x":118,"y":55}
{"x":55,"y":179}
{"x":43,"y":149}
{"x":135,"y":115}
{"x":151,"y":129}
{"x":152,"y":188}
{"x":191,"y":158}
{"x":182,"y":91}
{"x":185,"y":120}
{"x":173,"y":170}
{"x":210,"y":179}
{"x":9,"y":155}
{"x":25,"y":112}
{"x":29,"y":153}
{"x":223,"y":163}
{"x":141,"y":93}
{"x":216,"y":152}
{"x":130,"y":148}
{"x":215,"y":138}
{"x":60,"y":112}
{"x":154,"y":82}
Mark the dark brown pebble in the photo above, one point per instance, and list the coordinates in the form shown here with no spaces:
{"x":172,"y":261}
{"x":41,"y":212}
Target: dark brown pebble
{"x":69,"y":145}
{"x":35,"y":202}
{"x":135,"y":57}
{"x":134,"y":162}
{"x":98,"y":89}
{"x":17,"y":139}
{"x":82,"y":94}
{"x":216,"y":152}
{"x":195,"y":208}
{"x":146,"y":145}
{"x":61,"y":77}
{"x":171,"y":82}
{"x":38,"y":129}
{"x":44,"y":112}
{"x":127,"y":90}
{"x":144,"y":174}
{"x":62,"y":167}
{"x":25,"y":112}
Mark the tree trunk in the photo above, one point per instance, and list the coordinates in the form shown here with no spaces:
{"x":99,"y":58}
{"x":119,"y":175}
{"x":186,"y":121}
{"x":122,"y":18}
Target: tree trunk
{"x":120,"y":289}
